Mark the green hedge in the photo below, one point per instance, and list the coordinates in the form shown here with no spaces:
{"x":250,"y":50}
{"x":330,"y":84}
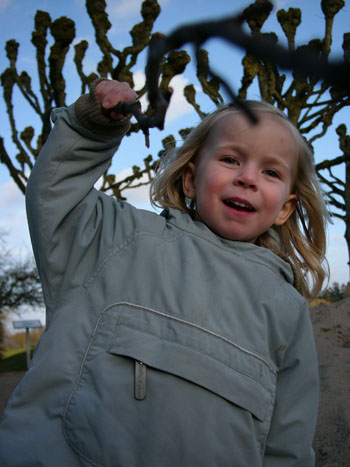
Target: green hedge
{"x":13,"y":360}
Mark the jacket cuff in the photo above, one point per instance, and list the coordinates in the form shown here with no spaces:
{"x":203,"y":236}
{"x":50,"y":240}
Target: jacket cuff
{"x":89,"y":114}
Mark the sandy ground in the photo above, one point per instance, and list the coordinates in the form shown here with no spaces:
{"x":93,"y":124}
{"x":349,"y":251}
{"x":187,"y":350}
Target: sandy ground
{"x":331,"y":325}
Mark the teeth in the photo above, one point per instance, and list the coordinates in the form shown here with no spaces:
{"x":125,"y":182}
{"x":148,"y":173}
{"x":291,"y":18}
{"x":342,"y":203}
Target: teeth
{"x":239,"y":204}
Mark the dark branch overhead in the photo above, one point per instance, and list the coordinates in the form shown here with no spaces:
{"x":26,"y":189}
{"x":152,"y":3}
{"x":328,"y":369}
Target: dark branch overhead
{"x":304,"y":61}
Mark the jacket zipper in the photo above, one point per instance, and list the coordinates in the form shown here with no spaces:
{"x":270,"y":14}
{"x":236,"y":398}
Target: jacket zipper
{"x":140,"y":381}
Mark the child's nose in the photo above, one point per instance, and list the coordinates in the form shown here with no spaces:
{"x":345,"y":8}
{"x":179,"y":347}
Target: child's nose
{"x":246,"y":178}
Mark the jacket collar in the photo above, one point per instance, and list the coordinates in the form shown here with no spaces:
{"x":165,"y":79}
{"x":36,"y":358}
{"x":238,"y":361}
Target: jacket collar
{"x":250,"y":251}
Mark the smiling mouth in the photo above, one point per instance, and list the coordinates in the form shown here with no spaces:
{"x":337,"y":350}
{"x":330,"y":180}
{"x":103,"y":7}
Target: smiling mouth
{"x":239,"y":205}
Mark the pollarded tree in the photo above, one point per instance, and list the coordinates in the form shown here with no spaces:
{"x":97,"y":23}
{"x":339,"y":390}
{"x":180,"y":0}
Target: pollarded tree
{"x":310,"y":102}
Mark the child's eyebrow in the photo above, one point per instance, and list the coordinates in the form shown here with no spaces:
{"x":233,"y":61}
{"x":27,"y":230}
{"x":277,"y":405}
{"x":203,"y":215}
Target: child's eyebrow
{"x":268,"y":159}
{"x":276,"y":160}
{"x":230,"y":146}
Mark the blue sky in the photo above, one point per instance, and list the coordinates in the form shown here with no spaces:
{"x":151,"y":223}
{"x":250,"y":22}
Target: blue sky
{"x":17,"y":20}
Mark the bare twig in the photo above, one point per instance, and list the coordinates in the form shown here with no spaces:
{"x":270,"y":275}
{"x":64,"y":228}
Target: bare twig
{"x":230,"y":29}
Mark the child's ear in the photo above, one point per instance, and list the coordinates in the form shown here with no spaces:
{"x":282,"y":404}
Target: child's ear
{"x":189,"y":180}
{"x":287,"y":210}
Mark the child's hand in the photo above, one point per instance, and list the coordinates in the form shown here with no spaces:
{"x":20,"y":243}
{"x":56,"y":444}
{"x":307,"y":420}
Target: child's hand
{"x":109,"y":93}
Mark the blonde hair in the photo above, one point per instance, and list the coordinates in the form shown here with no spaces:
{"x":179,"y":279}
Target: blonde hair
{"x":302,"y":239}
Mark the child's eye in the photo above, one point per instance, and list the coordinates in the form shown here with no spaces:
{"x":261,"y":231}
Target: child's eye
{"x":272,"y":173}
{"x":229,"y":160}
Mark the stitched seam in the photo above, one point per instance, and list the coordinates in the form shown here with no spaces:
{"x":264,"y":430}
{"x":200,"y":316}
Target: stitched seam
{"x":77,"y":382}
{"x":197,"y":326}
{"x":42,"y":205}
{"x":107,"y":258}
{"x":206,"y":354}
{"x":132,"y":237}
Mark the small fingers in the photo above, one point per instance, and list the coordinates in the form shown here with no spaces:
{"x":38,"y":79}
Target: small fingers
{"x":109,"y":93}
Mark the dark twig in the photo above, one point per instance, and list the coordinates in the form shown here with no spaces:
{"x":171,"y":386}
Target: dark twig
{"x":145,"y":122}
{"x":134,"y":108}
{"x":230,"y":29}
{"x":306,"y":63}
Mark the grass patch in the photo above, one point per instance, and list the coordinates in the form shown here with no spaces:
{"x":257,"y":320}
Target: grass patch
{"x":319,"y":301}
{"x":10,"y":352}
{"x":13,"y":360}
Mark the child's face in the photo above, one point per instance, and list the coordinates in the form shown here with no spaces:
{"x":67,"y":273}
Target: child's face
{"x":243,"y":177}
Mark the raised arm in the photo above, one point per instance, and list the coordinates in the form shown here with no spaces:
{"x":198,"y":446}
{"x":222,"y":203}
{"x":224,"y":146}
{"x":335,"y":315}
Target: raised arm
{"x":64,"y":210}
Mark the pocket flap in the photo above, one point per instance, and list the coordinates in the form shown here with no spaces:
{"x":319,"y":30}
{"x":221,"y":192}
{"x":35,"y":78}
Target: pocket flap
{"x":195,"y":354}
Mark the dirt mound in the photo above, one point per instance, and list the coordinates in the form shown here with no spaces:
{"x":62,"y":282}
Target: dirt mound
{"x":331,"y":325}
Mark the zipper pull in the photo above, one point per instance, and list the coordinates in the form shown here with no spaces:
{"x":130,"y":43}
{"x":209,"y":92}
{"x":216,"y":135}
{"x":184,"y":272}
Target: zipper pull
{"x":140,"y":381}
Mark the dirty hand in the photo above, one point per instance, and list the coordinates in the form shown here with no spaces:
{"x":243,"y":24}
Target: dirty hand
{"x":109,"y":93}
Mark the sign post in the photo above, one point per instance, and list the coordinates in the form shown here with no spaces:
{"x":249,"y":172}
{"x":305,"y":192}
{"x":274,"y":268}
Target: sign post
{"x":27,"y":324}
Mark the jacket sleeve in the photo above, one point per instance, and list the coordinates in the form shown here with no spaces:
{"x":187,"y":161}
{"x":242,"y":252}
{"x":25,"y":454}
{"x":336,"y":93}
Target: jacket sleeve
{"x":294,"y":418}
{"x":67,"y":216}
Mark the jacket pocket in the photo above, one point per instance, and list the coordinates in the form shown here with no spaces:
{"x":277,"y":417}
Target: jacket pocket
{"x":155,"y":387}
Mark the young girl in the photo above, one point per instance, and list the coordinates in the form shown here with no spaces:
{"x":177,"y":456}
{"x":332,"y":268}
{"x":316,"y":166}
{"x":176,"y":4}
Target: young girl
{"x":179,"y":339}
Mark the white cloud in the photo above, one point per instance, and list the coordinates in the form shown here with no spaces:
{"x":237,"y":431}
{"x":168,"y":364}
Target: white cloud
{"x":280,"y":3}
{"x":14,"y":224}
{"x":138,"y":197}
{"x":10,"y":195}
{"x":139,"y":80}
{"x":337,"y":254}
{"x":178,"y":105}
{"x":124,"y":8}
{"x":4,"y":4}
{"x":13,"y":219}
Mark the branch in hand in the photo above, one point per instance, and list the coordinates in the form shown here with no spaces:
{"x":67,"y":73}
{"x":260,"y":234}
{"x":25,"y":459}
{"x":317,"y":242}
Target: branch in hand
{"x":145,"y":122}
